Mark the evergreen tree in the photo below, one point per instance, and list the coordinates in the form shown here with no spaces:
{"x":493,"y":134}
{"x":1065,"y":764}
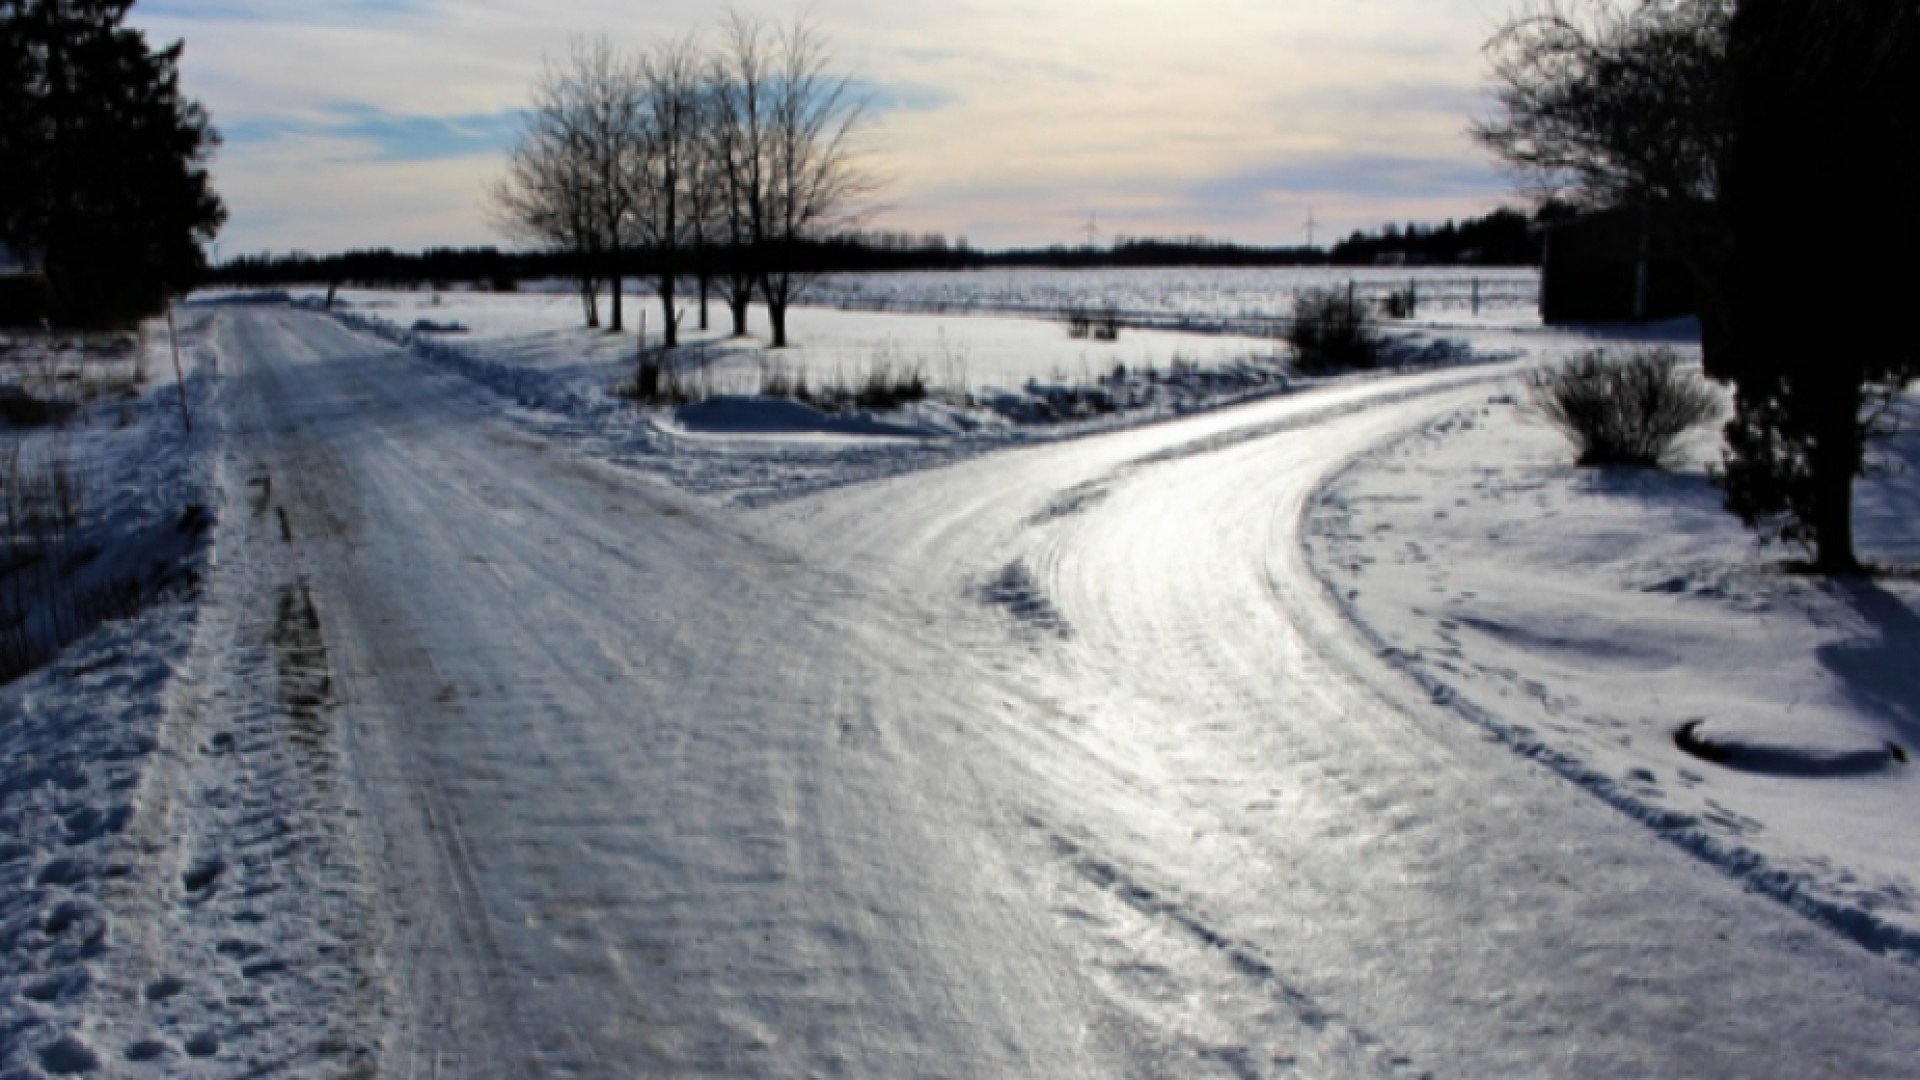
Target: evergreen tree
{"x":105,"y":184}
{"x":1779,"y":138}
{"x":1820,"y":186}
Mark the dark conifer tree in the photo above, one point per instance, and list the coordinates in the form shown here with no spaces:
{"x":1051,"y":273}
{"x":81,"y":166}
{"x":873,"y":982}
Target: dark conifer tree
{"x":1820,"y":189}
{"x":105,"y":184}
{"x":1779,"y":139}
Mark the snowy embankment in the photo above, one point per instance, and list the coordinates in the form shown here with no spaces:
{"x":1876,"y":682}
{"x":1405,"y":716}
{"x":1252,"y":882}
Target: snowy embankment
{"x":107,"y":511}
{"x":990,"y":382}
{"x":165,"y":868}
{"x":1585,"y":617}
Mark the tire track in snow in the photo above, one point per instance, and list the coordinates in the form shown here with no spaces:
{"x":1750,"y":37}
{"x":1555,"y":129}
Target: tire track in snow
{"x":1214,"y":734}
{"x":698,"y":820}
{"x":266,"y":942}
{"x":1302,"y":1033}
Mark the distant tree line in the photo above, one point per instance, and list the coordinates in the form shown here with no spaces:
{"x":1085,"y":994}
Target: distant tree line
{"x":1503,"y":238}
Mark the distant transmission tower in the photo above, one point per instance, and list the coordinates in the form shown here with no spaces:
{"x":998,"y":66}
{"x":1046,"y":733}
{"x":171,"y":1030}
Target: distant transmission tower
{"x":1313,"y":225}
{"x":1093,"y":230}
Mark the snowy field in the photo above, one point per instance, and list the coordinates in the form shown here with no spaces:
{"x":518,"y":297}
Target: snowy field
{"x":955,"y":352}
{"x":1061,"y":724}
{"x":993,"y":382}
{"x":1194,"y":296}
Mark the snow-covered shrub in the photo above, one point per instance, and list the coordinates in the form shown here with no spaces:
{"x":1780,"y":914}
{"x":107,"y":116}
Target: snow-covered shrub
{"x":1332,"y":332}
{"x":659,"y":380}
{"x":1628,"y":410}
{"x":886,"y":387}
{"x":778,"y":382}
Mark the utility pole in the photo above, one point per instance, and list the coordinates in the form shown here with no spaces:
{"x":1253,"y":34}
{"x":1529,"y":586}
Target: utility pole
{"x":1313,"y":225}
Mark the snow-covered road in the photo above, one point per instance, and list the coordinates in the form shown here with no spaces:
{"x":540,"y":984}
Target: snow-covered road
{"x":1052,"y":763}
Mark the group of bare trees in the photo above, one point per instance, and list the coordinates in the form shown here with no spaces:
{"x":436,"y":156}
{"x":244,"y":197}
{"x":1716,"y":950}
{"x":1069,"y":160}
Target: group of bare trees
{"x":714,"y":162}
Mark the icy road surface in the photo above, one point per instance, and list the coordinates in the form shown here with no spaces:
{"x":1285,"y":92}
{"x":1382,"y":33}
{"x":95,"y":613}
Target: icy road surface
{"x":1054,"y":763}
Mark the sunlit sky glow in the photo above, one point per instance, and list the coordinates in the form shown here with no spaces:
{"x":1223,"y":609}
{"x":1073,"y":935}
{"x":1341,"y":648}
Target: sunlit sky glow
{"x":354,"y":123}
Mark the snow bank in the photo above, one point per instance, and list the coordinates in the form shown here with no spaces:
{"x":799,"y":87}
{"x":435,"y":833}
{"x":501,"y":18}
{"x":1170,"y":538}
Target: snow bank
{"x":79,"y":736}
{"x":180,"y":890}
{"x":1585,"y":617}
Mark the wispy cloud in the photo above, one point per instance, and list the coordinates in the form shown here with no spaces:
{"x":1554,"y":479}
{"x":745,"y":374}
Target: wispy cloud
{"x":882,"y":98}
{"x":1009,"y":123}
{"x":366,"y":133}
{"x":336,"y":12}
{"x":1355,"y":176}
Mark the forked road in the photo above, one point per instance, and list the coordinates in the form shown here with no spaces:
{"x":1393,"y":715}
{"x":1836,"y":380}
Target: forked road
{"x":1053,"y":763}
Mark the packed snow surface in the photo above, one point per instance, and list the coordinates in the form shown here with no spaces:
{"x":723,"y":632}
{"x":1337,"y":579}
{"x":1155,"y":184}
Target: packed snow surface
{"x":522,"y":732}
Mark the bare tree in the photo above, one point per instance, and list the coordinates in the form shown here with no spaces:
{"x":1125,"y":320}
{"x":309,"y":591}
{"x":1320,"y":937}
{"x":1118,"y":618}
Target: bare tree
{"x":547,"y":197}
{"x":813,"y":179}
{"x":571,"y":179}
{"x":737,"y":80}
{"x":1613,"y":102}
{"x":665,"y":165}
{"x":596,"y":95}
{"x":748,"y":152}
{"x":786,"y":129}
{"x":1624,"y":103}
{"x":705,"y":224}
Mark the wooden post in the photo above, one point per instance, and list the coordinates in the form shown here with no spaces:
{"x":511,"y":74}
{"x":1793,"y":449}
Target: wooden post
{"x":1476,"y":296}
{"x":640,"y":353}
{"x":179,"y":376}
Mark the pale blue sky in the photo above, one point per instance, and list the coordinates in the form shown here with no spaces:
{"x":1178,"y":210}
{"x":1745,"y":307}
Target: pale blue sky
{"x":353,"y":123}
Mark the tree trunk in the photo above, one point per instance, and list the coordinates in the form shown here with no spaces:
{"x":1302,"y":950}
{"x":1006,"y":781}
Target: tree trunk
{"x":706,"y":288}
{"x":776,"y":290}
{"x":670,"y":335}
{"x":737,"y":303}
{"x":777,"y":316}
{"x":619,"y":316}
{"x":590,"y":301}
{"x":1838,"y":453}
